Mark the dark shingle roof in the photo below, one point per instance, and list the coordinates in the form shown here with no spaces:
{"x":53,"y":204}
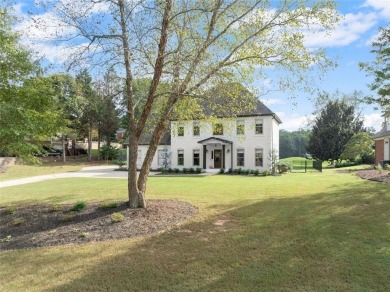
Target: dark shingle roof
{"x":382,"y":133}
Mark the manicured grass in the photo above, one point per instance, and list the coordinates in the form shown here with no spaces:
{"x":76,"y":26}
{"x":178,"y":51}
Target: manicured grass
{"x":297,"y":232}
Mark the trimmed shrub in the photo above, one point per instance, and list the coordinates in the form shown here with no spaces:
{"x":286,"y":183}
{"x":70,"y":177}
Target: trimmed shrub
{"x":265,"y":173}
{"x":256,"y":172}
{"x":222,"y":171}
{"x":108,"y":152}
{"x":283,"y":166}
{"x":176,"y":170}
{"x":230,"y":170}
{"x":79,"y":206}
{"x":191,"y":170}
{"x":185,"y":170}
{"x":199,"y":170}
{"x":239,"y":171}
{"x":170,"y":170}
{"x":117,"y":217}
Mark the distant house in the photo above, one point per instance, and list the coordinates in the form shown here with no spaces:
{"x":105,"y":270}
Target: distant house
{"x":120,"y":134}
{"x":382,"y":142}
{"x":244,"y":141}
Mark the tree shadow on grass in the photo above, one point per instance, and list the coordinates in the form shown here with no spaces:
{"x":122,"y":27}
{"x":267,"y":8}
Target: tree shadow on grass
{"x":337,"y":241}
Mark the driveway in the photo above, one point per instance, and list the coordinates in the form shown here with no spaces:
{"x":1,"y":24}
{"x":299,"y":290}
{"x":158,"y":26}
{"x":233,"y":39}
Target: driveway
{"x":93,"y":171}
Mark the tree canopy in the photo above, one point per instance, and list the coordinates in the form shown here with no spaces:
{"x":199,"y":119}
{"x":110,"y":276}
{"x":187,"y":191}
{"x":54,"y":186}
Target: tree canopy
{"x":380,"y":70}
{"x":28,"y":107}
{"x":333,"y":127}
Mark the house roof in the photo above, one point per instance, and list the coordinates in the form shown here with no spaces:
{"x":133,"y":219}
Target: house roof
{"x":145,"y":139}
{"x":215,"y":138}
{"x":383,"y":133}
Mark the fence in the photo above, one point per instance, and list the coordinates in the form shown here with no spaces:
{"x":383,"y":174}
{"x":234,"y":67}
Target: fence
{"x":303,"y":166}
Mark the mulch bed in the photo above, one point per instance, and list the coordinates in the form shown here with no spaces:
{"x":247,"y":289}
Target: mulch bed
{"x":374,"y":175}
{"x":50,"y":225}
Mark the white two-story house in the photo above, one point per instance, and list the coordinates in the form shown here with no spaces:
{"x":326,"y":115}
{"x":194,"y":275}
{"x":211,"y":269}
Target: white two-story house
{"x":245,"y":141}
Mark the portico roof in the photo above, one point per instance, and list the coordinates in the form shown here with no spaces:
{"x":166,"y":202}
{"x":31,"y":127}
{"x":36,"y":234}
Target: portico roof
{"x":212,"y":140}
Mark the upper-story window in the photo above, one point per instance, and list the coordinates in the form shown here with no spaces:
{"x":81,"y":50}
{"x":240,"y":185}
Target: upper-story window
{"x":240,"y":127}
{"x":180,"y":131}
{"x":259,"y":126}
{"x":196,"y":129}
{"x":218,"y":129}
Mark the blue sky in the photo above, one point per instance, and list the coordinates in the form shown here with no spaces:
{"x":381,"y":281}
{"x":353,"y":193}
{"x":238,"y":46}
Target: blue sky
{"x":349,"y":44}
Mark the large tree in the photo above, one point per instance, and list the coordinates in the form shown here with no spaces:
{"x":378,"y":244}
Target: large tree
{"x":380,"y":70}
{"x":28,"y":107}
{"x":293,"y":143}
{"x":333,"y":127}
{"x":190,"y":45}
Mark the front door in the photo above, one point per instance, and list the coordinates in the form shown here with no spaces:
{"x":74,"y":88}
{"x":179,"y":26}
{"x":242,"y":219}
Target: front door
{"x":217,"y":158}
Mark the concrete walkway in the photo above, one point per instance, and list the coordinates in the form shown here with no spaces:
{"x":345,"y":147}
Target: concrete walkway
{"x":93,"y":171}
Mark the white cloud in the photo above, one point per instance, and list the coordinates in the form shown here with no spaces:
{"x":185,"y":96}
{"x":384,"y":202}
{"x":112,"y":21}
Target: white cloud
{"x":272,"y":101}
{"x":350,"y":29}
{"x":382,"y":6}
{"x":294,"y":122}
{"x":374,"y":120}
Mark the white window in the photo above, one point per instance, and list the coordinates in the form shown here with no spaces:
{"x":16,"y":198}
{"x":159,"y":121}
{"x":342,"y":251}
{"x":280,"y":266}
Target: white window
{"x":259,"y":126}
{"x":180,"y":157}
{"x":240,"y":127}
{"x":196,"y":129}
{"x":240,"y":157}
{"x":258,"y":157}
{"x":180,"y":131}
{"x":218,"y":129}
{"x":196,"y":157}
{"x":161,"y":156}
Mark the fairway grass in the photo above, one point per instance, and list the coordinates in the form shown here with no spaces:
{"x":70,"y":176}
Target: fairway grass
{"x":297,"y":232}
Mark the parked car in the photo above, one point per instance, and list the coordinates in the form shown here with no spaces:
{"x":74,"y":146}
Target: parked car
{"x":49,"y":151}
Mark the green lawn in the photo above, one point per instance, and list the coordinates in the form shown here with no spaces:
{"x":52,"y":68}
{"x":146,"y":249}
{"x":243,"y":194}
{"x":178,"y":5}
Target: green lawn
{"x":297,"y":232}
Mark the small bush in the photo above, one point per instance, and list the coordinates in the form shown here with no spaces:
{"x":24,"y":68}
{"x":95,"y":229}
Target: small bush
{"x":162,"y":170}
{"x":192,"y":170}
{"x":235,"y":170}
{"x":230,"y":170}
{"x":79,"y":206}
{"x":83,"y":234}
{"x":11,"y":210}
{"x":239,"y":171}
{"x":386,"y":166}
{"x":108,"y":205}
{"x":18,"y":221}
{"x":199,"y":170}
{"x":378,"y":167}
{"x":170,"y":170}
{"x":117,"y":217}
{"x":55,"y":208}
{"x":108,"y":152}
{"x":283,"y":166}
{"x":256,"y":172}
{"x":185,"y":170}
{"x":6,"y":239}
{"x":222,"y":171}
{"x":266,"y":173}
{"x":176,"y":170}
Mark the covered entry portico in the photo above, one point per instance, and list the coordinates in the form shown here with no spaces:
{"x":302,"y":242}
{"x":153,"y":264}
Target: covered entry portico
{"x":217,"y":153}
